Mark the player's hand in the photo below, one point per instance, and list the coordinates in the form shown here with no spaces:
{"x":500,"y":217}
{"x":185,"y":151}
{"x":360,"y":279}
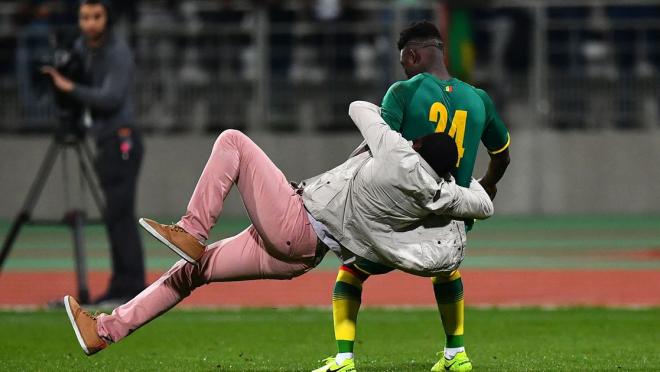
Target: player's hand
{"x":61,"y":83}
{"x":491,"y":190}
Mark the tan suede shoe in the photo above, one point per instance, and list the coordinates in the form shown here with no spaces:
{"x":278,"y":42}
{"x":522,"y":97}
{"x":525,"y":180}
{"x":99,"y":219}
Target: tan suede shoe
{"x":176,"y":239}
{"x":84,"y":325}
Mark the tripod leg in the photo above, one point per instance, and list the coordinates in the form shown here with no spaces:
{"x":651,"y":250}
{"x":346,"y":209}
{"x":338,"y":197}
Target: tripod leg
{"x":30,"y":201}
{"x":42,"y":176}
{"x":77,"y":225}
{"x":88,"y":172}
{"x":21,"y":219}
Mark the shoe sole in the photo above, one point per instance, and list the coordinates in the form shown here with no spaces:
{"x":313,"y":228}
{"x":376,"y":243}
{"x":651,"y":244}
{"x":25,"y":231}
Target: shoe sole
{"x":67,"y":306}
{"x":167,"y":243}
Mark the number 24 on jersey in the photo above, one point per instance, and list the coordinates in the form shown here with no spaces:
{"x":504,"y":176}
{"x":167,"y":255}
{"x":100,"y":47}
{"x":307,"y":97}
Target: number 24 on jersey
{"x":438,"y":114}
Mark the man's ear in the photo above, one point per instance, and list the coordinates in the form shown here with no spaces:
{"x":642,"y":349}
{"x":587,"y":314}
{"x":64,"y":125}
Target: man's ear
{"x":414,"y":56}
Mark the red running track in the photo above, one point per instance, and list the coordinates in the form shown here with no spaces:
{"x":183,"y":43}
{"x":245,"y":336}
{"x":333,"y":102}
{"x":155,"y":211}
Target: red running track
{"x":612,"y":288}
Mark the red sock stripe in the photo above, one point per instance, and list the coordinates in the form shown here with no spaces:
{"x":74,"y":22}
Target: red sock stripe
{"x":360,"y":275}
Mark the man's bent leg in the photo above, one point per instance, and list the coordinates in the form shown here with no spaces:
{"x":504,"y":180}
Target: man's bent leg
{"x":242,"y":257}
{"x":276,"y":211}
{"x":213,"y":186}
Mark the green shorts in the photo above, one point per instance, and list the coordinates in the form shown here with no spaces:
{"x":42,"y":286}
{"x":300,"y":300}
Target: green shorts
{"x":370,"y":268}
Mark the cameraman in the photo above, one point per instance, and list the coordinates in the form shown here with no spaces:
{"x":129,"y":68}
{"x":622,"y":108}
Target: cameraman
{"x":107,"y":99}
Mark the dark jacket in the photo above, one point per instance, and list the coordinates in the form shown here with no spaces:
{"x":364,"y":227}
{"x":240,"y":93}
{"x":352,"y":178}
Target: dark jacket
{"x":108,"y":91}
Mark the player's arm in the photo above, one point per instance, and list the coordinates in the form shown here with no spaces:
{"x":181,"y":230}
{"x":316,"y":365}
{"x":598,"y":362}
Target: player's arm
{"x":496,"y":139}
{"x":496,"y":169}
{"x":461,"y":202}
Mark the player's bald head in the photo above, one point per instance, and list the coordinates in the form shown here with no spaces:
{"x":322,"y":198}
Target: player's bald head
{"x":421,"y":48}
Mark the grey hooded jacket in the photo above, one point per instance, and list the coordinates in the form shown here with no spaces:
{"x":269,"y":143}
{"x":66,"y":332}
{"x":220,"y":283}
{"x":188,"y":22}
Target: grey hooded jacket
{"x":109,"y":92}
{"x":388,"y":205}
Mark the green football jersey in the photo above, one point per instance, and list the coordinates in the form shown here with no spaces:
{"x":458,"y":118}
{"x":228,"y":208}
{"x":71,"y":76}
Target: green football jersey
{"x":425,"y":104}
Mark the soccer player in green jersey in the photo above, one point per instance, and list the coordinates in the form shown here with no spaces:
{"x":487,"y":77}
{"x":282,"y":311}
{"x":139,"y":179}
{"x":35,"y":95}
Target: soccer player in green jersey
{"x":431,"y":100}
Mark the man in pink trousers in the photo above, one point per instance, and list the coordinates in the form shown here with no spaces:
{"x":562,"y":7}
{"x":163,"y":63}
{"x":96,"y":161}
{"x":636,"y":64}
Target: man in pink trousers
{"x":284,"y":240}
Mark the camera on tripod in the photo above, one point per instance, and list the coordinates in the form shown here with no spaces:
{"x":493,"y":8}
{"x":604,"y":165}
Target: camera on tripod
{"x":68,"y":62}
{"x":69,"y":136}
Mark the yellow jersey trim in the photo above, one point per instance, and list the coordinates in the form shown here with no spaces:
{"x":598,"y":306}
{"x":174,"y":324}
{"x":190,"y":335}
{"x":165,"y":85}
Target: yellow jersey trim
{"x":506,"y":146}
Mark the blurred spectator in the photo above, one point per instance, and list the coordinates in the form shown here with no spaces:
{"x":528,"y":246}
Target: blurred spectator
{"x":193,"y":78}
{"x":33,"y":44}
{"x":326,"y":41}
{"x":7,"y":42}
{"x":564,"y":50}
{"x":365,"y":56}
{"x":158,"y":57}
{"x":227,"y":42}
{"x":638,"y":58}
{"x":601,"y":71}
{"x":229,"y":59}
{"x":281,"y":21}
{"x":127,"y":16}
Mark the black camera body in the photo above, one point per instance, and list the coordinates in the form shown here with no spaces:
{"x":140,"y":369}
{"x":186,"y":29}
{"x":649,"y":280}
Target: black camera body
{"x":68,"y":62}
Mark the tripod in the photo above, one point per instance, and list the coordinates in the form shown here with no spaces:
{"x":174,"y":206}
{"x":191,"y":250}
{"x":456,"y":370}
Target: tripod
{"x":63,"y":141}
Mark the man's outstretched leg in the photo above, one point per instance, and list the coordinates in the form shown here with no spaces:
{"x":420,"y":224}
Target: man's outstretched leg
{"x":281,"y":243}
{"x":241,"y":257}
{"x":448,"y":291}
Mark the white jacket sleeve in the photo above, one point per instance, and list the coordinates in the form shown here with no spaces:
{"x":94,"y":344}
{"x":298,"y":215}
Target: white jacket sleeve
{"x":460,"y":202}
{"x":377,"y":134}
{"x":362,"y":147}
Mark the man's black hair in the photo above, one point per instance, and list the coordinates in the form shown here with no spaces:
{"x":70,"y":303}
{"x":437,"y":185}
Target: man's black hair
{"x":440,"y":151}
{"x":423,"y":30}
{"x":107,"y":5}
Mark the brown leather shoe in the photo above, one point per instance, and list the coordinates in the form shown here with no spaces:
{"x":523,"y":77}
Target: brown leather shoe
{"x":84,"y":325}
{"x":176,"y":239}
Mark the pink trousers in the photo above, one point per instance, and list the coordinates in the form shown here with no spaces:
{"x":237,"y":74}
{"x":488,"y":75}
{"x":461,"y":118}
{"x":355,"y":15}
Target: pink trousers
{"x":280,"y":243}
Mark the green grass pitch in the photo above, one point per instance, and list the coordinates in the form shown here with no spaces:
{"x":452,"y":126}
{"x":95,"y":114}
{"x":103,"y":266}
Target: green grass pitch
{"x":389,"y":340}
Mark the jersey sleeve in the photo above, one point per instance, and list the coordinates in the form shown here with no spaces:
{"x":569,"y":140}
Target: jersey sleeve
{"x":496,"y":136}
{"x":393,"y":106}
